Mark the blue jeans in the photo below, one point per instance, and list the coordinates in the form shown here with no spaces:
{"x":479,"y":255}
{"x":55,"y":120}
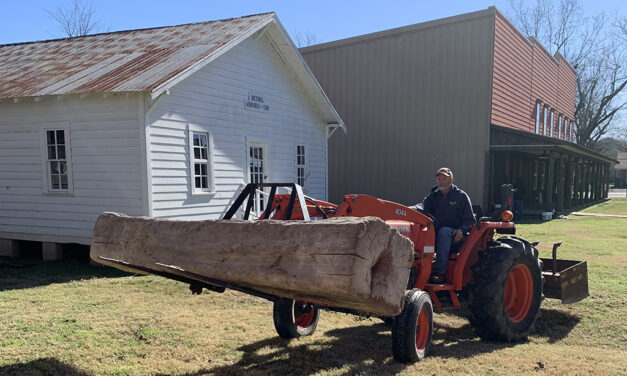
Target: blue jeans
{"x":443,"y":244}
{"x":518,"y":210}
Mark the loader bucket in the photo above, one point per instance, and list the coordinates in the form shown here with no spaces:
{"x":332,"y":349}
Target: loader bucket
{"x":565,"y":279}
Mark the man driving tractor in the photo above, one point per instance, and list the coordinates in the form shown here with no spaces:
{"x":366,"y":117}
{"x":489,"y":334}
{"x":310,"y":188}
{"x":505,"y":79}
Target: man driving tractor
{"x":452,"y":210}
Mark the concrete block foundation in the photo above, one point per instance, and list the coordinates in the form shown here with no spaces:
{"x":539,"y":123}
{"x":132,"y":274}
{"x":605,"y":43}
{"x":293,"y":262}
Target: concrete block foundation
{"x":9,"y":248}
{"x":51,"y":251}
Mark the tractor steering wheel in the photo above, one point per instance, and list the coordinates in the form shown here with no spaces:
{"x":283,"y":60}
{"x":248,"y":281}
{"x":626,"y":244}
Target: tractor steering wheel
{"x":420,"y":209}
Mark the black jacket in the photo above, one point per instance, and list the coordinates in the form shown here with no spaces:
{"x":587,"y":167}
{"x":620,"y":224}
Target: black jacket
{"x":453,"y":210}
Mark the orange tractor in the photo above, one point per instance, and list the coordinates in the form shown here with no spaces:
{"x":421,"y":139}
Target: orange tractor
{"x":501,"y":279}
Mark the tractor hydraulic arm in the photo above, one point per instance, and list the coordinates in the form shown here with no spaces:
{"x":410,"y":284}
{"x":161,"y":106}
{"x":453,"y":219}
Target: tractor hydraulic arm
{"x":365,"y":206}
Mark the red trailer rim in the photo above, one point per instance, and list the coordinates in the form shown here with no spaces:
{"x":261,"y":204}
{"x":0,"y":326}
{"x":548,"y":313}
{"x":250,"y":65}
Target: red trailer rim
{"x":518,"y":293}
{"x":422,"y":331}
{"x":303,"y":319}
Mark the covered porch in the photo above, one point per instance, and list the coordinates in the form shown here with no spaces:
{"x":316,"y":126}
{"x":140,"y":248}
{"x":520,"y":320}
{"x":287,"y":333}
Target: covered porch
{"x":551,"y":175}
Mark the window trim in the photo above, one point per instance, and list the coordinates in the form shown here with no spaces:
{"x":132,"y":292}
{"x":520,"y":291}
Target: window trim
{"x":545,"y":118}
{"x":265,"y":145}
{"x":45,"y":170}
{"x":210,"y":190}
{"x":552,"y":117}
{"x":560,"y":132}
{"x":566,"y":129}
{"x":538,"y":109}
{"x":303,"y":166}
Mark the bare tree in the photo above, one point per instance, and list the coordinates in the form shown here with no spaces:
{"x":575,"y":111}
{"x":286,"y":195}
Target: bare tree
{"x":304,"y":39}
{"x":595,"y":47}
{"x":621,"y":23}
{"x":76,"y":20}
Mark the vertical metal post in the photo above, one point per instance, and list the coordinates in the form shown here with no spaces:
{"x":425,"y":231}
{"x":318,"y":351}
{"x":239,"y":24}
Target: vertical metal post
{"x":549,"y":177}
{"x":555,"y":246}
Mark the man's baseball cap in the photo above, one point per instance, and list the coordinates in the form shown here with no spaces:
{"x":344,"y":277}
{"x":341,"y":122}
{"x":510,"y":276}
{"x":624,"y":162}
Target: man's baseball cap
{"x":444,"y":171}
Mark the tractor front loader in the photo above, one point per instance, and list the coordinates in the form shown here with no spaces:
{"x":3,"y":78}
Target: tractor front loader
{"x":502,"y":278}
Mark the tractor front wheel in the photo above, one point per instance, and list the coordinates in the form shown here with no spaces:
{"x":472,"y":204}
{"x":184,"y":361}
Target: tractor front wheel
{"x":506,"y":292}
{"x":413,"y":328}
{"x":293,"y":318}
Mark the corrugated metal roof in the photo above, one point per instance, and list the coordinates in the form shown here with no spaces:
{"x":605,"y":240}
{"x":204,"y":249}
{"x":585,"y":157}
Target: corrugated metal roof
{"x":135,"y":60}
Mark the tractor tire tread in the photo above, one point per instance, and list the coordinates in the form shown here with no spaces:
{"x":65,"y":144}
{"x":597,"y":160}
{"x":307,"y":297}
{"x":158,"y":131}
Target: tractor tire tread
{"x":282,"y":314}
{"x":486,"y":290}
{"x":403,"y":337}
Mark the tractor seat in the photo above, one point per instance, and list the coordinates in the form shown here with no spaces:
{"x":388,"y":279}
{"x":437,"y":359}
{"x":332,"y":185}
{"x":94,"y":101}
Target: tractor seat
{"x":477,"y":210}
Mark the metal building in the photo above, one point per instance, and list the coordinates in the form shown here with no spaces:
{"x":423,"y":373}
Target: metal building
{"x":468,"y":92}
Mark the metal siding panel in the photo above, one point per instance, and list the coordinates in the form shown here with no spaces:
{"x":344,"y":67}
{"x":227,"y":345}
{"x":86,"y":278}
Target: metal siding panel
{"x":412,"y":102}
{"x":511,"y":96}
{"x":523,"y":73}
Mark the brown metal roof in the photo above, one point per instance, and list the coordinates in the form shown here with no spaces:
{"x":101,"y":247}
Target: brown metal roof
{"x":135,"y":60}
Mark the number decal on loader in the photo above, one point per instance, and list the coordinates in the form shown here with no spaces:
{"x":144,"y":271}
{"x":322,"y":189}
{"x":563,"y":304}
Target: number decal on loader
{"x":401,"y":212}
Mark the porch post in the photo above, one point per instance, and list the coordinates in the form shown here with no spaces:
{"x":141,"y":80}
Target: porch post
{"x":491,"y":181}
{"x":561,"y":185}
{"x":569,"y":181}
{"x":579,"y":182}
{"x":593,"y":183}
{"x":549,"y":184}
{"x":607,"y":181}
{"x":593,"y":174}
{"x":599,"y":182}
{"x":586,"y":182}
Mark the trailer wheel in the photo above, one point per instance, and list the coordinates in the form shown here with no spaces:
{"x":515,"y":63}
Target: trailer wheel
{"x":505,"y":294}
{"x":294,"y":318}
{"x":413,"y":328}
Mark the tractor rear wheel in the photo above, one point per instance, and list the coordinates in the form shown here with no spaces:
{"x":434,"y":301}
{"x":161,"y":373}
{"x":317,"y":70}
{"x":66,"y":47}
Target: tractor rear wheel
{"x":505,"y":294}
{"x":413,"y":328}
{"x":294,"y":318}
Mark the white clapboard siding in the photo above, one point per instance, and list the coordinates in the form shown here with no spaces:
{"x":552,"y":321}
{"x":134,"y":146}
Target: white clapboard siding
{"x":213,"y":100}
{"x":106,"y":160}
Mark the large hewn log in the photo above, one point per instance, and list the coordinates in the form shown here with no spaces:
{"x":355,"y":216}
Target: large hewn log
{"x":356,"y":263}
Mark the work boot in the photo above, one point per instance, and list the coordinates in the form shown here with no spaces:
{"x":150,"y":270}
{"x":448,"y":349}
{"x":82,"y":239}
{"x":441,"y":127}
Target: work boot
{"x":436,"y":278}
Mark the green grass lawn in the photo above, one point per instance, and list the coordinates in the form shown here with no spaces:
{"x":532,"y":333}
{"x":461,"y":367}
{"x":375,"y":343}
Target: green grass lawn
{"x":60,"y":318}
{"x":613,"y":206}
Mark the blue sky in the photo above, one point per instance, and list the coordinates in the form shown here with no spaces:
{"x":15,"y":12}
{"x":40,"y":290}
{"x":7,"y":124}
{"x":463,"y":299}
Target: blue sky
{"x":22,"y":21}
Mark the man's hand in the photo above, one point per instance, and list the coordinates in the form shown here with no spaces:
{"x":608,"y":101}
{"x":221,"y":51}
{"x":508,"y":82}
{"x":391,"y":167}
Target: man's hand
{"x":457,"y":235}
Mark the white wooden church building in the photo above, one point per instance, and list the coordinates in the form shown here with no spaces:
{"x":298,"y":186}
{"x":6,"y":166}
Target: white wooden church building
{"x":167,"y":122}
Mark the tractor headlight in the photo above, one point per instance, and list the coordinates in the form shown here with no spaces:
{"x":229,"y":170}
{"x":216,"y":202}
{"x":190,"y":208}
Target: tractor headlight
{"x":507,"y":216}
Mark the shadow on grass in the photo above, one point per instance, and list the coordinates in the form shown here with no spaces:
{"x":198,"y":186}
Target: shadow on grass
{"x":26,"y":273}
{"x":461,"y":342}
{"x":44,"y":366}
{"x":362,"y":350}
{"x":554,"y":325}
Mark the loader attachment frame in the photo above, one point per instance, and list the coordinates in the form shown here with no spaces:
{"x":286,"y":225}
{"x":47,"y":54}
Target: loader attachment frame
{"x":249,"y":193}
{"x":566,"y":280}
{"x":196,"y":281}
